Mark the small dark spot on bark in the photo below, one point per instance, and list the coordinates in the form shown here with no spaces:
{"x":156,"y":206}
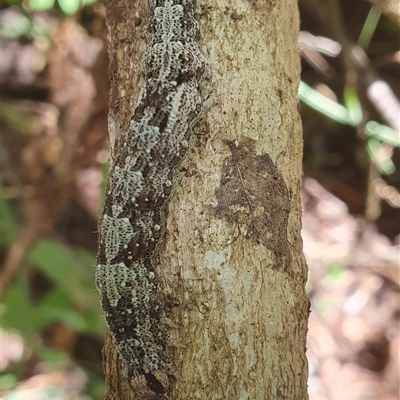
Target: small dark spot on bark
{"x":163,"y":123}
{"x":145,"y":171}
{"x":236,"y":17}
{"x":144,"y":204}
{"x":280,"y":95}
{"x":154,"y":384}
{"x":137,"y":249}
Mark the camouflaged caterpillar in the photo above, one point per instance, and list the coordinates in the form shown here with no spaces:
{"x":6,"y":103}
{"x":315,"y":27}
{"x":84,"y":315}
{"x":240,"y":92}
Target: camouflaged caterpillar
{"x":143,"y":174}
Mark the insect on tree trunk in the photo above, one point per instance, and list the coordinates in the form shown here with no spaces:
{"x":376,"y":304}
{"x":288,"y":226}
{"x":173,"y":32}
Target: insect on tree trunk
{"x":230,"y":265}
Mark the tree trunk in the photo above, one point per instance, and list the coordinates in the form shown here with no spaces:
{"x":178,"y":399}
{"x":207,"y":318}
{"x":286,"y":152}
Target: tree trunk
{"x":231,"y":264}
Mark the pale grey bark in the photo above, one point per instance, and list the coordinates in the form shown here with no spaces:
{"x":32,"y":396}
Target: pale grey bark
{"x":231,"y":264}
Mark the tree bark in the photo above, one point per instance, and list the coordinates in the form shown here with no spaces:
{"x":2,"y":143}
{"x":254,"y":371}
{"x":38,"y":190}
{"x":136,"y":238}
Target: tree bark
{"x":231,"y":265}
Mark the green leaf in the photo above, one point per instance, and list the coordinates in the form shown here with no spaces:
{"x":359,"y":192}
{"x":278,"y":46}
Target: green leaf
{"x":69,"y":7}
{"x":49,"y":309}
{"x":95,"y":387}
{"x":14,"y":2}
{"x":385,"y":166}
{"x":351,"y":116}
{"x":95,"y":322}
{"x":51,"y":356}
{"x":325,"y":106}
{"x":369,"y":28}
{"x":353,"y":106}
{"x":73,"y":319}
{"x":334,"y":273}
{"x":41,"y":5}
{"x":55,"y":261}
{"x":41,"y":392}
{"x":57,"y":307}
{"x":41,"y":28}
{"x":16,"y":311}
{"x":17,"y":28}
{"x":87,"y":259}
{"x":21,"y":121}
{"x":72,"y":273}
{"x":8,"y":223}
{"x":8,"y":381}
{"x":383,"y":133}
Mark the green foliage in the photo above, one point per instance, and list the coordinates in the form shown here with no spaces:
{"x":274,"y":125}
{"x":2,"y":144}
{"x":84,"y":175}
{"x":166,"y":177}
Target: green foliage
{"x":369,"y":28}
{"x":41,"y":5}
{"x":8,"y":381}
{"x":353,"y":106}
{"x":72,"y":299}
{"x":68,"y":7}
{"x":14,"y":2}
{"x":23,"y":27}
{"x":334,"y":273}
{"x":19,"y":28}
{"x":323,"y":105}
{"x":351,"y":114}
{"x":53,"y":357}
{"x":385,"y":165}
{"x":16,"y":312}
{"x":382,"y":133}
{"x":19,"y":120}
{"x":8,"y":225}
{"x":95,"y":388}
{"x":39,"y":392}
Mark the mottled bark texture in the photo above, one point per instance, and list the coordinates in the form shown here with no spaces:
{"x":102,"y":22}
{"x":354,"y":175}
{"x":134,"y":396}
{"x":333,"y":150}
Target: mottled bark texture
{"x":231,"y":264}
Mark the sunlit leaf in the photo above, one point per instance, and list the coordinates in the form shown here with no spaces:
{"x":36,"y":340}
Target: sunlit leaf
{"x":383,"y":133}
{"x":41,"y":5}
{"x":57,"y":307}
{"x":353,"y":106}
{"x":16,"y":28}
{"x":69,"y":7}
{"x":72,"y":272}
{"x":8,"y":381}
{"x":14,"y":2}
{"x":53,"y":356}
{"x":14,"y":312}
{"x":20,"y":120}
{"x":369,"y":28}
{"x":385,"y":166}
{"x":50,"y":308}
{"x":325,"y":106}
{"x":55,"y":261}
{"x":66,"y":270}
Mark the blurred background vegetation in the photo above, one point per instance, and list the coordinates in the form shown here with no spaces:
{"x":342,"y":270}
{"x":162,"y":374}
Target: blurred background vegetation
{"x":53,"y":122}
